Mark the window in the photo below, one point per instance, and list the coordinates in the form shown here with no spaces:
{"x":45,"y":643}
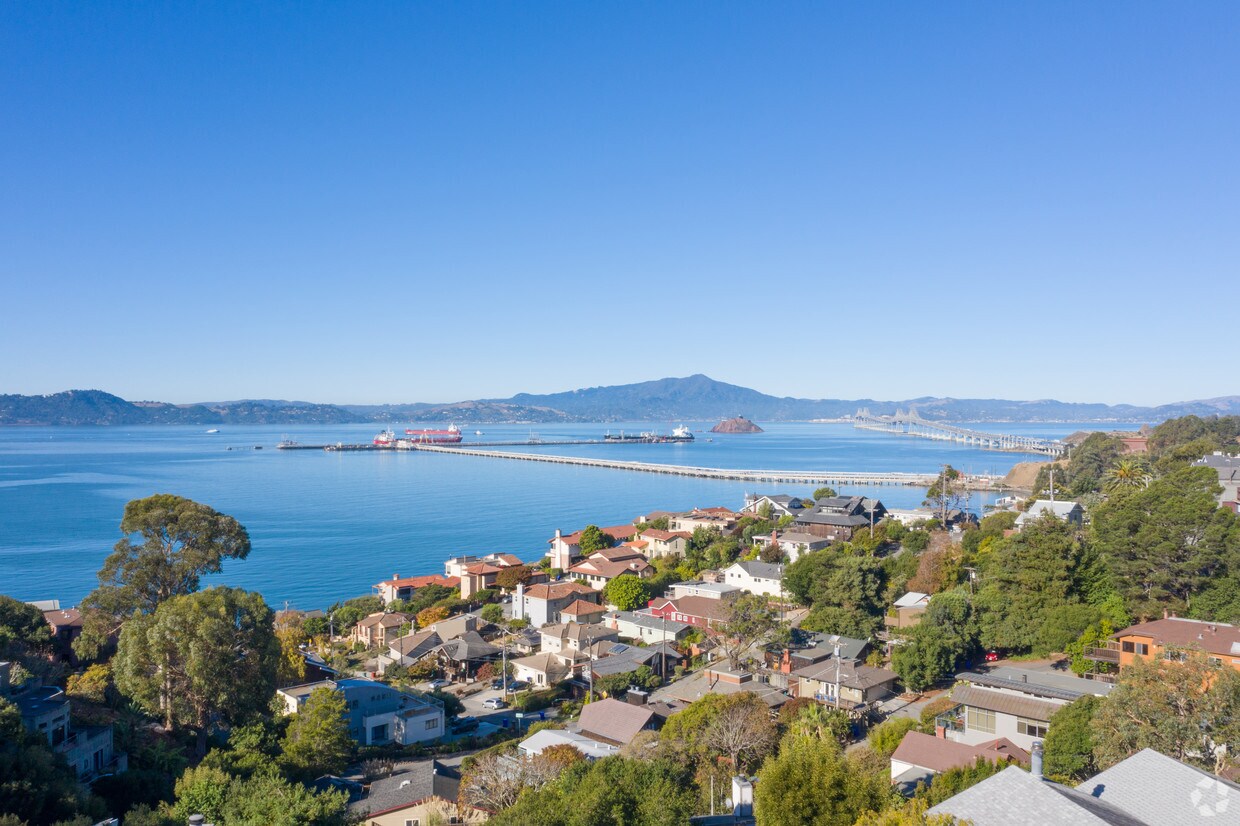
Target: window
{"x":1033,"y":728}
{"x":432,"y":724}
{"x":1175,"y":656}
{"x":980,"y":719}
{"x":1130,"y":647}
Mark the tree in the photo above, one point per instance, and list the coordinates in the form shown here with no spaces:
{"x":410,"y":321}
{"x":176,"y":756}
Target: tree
{"x":594,"y":539}
{"x":928,"y":656}
{"x":429,"y":616}
{"x":92,"y":684}
{"x":22,"y":628}
{"x":492,"y":613}
{"x":264,"y":798}
{"x":741,"y":731}
{"x":811,"y":781}
{"x":200,"y":658}
{"x":626,"y":592}
{"x":885,"y":737}
{"x":824,"y":493}
{"x":179,"y":541}
{"x":36,"y":784}
{"x":772,"y":553}
{"x":954,"y":781}
{"x":946,"y":493}
{"x":1127,"y":474}
{"x":749,"y":621}
{"x":817,"y":720}
{"x":1188,"y":710}
{"x":493,"y":783}
{"x":850,"y":585}
{"x":1166,"y":542}
{"x":292,"y":665}
{"x":911,"y":813}
{"x":512,"y":576}
{"x":1068,"y":754}
{"x":317,"y":741}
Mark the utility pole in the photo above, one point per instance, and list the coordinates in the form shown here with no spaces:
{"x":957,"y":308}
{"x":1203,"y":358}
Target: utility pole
{"x":663,"y":647}
{"x":837,"y":675}
{"x":589,"y":645}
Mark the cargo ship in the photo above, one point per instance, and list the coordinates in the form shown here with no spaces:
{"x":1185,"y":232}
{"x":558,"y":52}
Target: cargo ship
{"x":451,"y":436}
{"x":680,"y":434}
{"x":386,"y":439}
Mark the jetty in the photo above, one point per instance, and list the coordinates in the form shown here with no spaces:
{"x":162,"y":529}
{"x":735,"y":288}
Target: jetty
{"x":802,"y":477}
{"x":911,"y":424}
{"x":341,"y":446}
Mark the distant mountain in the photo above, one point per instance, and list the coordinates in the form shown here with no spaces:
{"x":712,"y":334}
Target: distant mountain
{"x":695,"y":398}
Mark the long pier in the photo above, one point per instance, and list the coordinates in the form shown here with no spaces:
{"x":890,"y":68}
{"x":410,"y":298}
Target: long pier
{"x":921,"y":480}
{"x":410,"y":445}
{"x":911,"y":424}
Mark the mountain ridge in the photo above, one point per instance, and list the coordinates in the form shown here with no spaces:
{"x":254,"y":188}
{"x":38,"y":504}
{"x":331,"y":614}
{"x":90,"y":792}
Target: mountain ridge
{"x":691,"y":398}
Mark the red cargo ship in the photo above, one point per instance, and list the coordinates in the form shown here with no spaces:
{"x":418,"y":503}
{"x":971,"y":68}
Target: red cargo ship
{"x":450,"y":436}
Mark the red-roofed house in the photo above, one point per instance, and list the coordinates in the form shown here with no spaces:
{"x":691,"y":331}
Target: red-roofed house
{"x":582,"y":612}
{"x":921,"y":756}
{"x":701,"y":612}
{"x":396,"y":588}
{"x":541,"y":604}
{"x":604,"y":566}
{"x":665,"y":543}
{"x":476,"y":577}
{"x":565,"y":548}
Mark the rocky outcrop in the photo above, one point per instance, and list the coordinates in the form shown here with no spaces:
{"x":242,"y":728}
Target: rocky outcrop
{"x":736,"y":425}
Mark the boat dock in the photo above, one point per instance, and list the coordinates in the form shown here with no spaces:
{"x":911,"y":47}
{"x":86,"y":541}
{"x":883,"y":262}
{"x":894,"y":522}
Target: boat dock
{"x":804,"y":477}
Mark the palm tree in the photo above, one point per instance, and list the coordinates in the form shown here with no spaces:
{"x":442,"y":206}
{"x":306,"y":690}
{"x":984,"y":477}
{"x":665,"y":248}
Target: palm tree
{"x":1128,"y":474}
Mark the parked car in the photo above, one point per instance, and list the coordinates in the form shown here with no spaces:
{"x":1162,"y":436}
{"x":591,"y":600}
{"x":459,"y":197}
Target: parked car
{"x":462,"y":724}
{"x":519,"y":685}
{"x":494,"y":703}
{"x":496,"y":685}
{"x":435,"y":685}
{"x":991,"y":656}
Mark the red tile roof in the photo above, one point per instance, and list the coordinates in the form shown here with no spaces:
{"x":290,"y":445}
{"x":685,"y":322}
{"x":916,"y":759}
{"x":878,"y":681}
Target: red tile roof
{"x":480,"y":568}
{"x":704,"y":607}
{"x":581,"y":608}
{"x":559,"y":590}
{"x":422,"y":581}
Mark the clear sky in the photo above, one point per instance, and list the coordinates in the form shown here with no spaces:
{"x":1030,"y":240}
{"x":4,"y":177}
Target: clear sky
{"x":369,"y":202}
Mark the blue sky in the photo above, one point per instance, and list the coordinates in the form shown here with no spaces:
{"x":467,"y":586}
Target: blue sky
{"x":429,"y":202}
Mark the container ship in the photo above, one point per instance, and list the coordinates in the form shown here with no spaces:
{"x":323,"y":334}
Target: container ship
{"x":680,"y":434}
{"x":451,"y":436}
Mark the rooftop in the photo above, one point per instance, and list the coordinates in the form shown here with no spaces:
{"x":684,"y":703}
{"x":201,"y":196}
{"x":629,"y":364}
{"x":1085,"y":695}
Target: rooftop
{"x":614,"y":721}
{"x":1213,"y":637}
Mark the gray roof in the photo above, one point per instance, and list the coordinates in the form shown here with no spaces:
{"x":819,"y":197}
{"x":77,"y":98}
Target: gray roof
{"x":1036,"y":683}
{"x":469,"y":646}
{"x":621,"y":659}
{"x":415,"y":645}
{"x":419,"y":782}
{"x":762,"y":570}
{"x":643,"y":620}
{"x":1014,"y":797}
{"x":613,"y":720}
{"x":1161,"y":790}
{"x":1004,"y":703}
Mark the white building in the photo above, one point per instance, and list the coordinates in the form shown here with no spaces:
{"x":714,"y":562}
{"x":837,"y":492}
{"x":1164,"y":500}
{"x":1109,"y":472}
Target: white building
{"x":698,"y":588}
{"x":545,"y":739}
{"x":1063,"y":511}
{"x":761,"y":578}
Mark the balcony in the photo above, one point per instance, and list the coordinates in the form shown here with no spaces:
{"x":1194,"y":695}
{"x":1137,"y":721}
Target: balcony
{"x":951,"y":721}
{"x":1105,"y":654}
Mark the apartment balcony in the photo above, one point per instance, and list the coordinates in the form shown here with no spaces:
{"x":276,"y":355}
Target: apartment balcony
{"x":1104,"y":654}
{"x":951,"y":721}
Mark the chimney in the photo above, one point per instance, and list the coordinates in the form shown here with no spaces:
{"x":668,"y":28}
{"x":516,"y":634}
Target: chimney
{"x":1035,"y":759}
{"x":395,"y":576}
{"x":637,"y":697}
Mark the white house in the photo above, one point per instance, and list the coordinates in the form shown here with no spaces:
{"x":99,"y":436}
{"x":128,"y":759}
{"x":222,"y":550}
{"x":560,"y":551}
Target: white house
{"x":545,"y":739}
{"x":541,"y":604}
{"x":762,"y":578}
{"x":644,"y":626}
{"x":698,"y":588}
{"x":1063,"y":511}
{"x":377,"y":713}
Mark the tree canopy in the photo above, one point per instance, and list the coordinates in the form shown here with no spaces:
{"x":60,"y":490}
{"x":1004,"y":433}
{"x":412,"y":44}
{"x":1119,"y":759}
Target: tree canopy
{"x":170,"y":542}
{"x":317,"y":741}
{"x":627,"y":593}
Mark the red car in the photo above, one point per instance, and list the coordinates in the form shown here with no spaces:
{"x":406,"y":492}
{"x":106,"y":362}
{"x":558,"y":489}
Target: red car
{"x":991,"y":656}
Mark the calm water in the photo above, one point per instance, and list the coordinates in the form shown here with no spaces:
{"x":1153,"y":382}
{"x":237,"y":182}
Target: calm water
{"x":329,"y":525}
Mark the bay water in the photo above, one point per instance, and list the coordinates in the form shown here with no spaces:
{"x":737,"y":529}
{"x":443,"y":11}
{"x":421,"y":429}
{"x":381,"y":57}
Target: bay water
{"x":328,"y":525}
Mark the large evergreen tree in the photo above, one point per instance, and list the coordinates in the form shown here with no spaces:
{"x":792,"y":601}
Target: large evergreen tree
{"x":317,"y":741}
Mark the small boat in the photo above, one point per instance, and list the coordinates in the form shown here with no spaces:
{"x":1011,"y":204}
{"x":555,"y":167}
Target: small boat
{"x":477,"y":432}
{"x":214,"y":430}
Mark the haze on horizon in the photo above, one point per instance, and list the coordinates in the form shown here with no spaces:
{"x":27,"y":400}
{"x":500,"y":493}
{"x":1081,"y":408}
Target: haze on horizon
{"x":398,"y":203}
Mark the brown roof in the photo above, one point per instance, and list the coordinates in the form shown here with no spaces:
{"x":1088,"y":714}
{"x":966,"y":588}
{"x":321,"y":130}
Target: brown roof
{"x":665,"y":536}
{"x":559,"y":590}
{"x":1214,"y":637}
{"x":852,"y":674}
{"x":705,"y":607}
{"x":1004,"y":703}
{"x":617,"y":532}
{"x":614,"y":554}
{"x":580,"y":607}
{"x":67,"y":618}
{"x":509,"y":559}
{"x":394,"y":619}
{"x":610,"y":568}
{"x":939,"y":754}
{"x":479,"y":568}
{"x":421,"y":581}
{"x":613,"y":721}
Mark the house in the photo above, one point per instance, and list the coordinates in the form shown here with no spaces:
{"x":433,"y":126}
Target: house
{"x":547,"y":669}
{"x":1168,"y":639}
{"x":536,"y":743}
{"x":461,"y":624}
{"x":611,"y":658}
{"x":809,"y":648}
{"x":913,"y":516}
{"x":582,"y":612}
{"x":836,"y":518}
{"x":66,"y":626}
{"x":403,"y":588}
{"x":423,"y":793}
{"x":794,"y":544}
{"x":857,"y":683}
{"x":1228,"y":470}
{"x":777,"y":505}
{"x":410,"y":648}
{"x":702,"y":612}
{"x":1009,"y":702}
{"x":702,"y":588}
{"x":661,"y":543}
{"x":1146,"y":789}
{"x":722,"y":519}
{"x":460,"y":658}
{"x":906,"y":611}
{"x":616,"y":722}
{"x":921,"y":756}
{"x":455,"y":566}
{"x":719,"y":680}
{"x":761,"y":578}
{"x":378,"y":713}
{"x":45,"y":710}
{"x":541,"y":604}
{"x":567,"y":547}
{"x":478,"y":576}
{"x":574,"y":636}
{"x":378,"y":628}
{"x":602,"y":567}
{"x":1063,"y":511}
{"x":645,"y":627}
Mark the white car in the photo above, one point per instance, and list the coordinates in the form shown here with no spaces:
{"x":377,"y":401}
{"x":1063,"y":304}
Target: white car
{"x":494,"y":703}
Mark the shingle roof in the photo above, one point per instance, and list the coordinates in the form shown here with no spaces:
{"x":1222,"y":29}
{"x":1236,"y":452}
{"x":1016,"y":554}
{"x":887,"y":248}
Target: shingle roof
{"x":1014,"y":797}
{"x":469,"y":646}
{"x":704,"y":607}
{"x":1004,"y":703}
{"x":406,"y":788}
{"x":940,"y":754}
{"x":1161,"y":790}
{"x":415,"y":645}
{"x":579,"y":607}
{"x":1214,"y":637}
{"x":852,"y":673}
{"x":614,"y":721}
{"x":761,"y":570}
{"x":559,"y":590}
